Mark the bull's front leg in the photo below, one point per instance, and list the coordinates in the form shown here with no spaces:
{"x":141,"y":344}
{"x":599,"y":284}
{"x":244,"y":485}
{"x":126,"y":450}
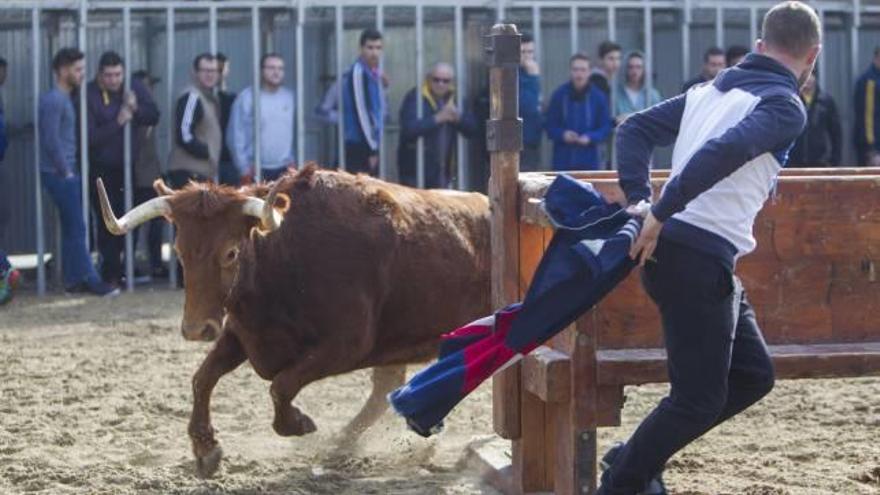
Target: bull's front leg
{"x":226,"y":355}
{"x":289,"y":420}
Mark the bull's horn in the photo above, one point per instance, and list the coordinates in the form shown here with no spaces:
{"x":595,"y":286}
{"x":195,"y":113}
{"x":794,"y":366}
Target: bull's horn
{"x":269,"y":216}
{"x":143,"y":212}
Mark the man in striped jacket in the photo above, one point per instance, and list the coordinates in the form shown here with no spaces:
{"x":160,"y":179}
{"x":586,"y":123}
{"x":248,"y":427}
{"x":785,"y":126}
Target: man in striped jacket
{"x":363,"y":106}
{"x":198,"y":137}
{"x":732,"y":136}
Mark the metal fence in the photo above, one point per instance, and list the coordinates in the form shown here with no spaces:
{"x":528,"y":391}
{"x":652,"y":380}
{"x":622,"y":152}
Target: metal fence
{"x":318,"y":39}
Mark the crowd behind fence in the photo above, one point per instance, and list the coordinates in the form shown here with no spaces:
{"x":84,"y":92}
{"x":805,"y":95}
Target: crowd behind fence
{"x":430,"y":64}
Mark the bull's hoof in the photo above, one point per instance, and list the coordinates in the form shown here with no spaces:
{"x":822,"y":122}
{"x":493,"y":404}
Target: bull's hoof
{"x":297,"y":426}
{"x":208,"y":464}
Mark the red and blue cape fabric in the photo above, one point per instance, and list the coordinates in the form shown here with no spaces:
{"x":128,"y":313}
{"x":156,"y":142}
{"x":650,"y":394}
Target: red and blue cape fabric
{"x":587,"y":257}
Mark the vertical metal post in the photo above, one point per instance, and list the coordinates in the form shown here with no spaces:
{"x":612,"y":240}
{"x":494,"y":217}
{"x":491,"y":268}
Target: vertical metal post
{"x":420,"y":65}
{"x":212,"y":29}
{"x":84,"y":119}
{"x":536,"y":30}
{"x":38,"y":187}
{"x":686,"y":41}
{"x":649,"y":53}
{"x":719,"y":27}
{"x":257,"y":92}
{"x":753,"y":25}
{"x":612,"y":23}
{"x":169,"y":88}
{"x":573,"y":28}
{"x":461,"y":152}
{"x":380,"y":26}
{"x":340,"y":110}
{"x":500,"y":11}
{"x":822,"y":68}
{"x":300,"y":84}
{"x":854,"y":37}
{"x":126,"y":150}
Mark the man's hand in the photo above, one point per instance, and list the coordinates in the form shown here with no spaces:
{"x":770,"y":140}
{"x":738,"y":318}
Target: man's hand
{"x":385,"y":81}
{"x":447,"y":114}
{"x":131,"y":101}
{"x":374,"y":163}
{"x":531,"y":67}
{"x":570,"y":137}
{"x":873,"y":159}
{"x":644,"y":246}
{"x":584,"y":140}
{"x":124,"y":115}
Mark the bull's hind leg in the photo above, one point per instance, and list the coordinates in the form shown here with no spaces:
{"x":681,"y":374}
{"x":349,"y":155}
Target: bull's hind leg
{"x":385,"y":380}
{"x":226,"y":355}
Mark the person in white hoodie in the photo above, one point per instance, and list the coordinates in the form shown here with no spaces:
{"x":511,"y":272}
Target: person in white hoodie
{"x":277,"y":124}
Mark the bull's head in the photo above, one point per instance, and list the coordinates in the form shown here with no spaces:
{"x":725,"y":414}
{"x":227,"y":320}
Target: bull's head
{"x":211,"y":222}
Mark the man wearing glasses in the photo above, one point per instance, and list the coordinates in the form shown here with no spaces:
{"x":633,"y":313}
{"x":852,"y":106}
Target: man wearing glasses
{"x":198,"y":139}
{"x":440,"y":122}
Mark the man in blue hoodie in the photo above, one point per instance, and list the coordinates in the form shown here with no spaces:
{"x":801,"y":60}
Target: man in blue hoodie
{"x":868,"y":114}
{"x":578,"y":119}
{"x":363,"y":106}
{"x":729,"y":148}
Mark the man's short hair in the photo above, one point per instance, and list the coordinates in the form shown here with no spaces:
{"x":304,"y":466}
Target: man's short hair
{"x":712,"y":52}
{"x":66,"y":57}
{"x":607,"y":47}
{"x":269,"y":55}
{"x":202,"y":56}
{"x":792,"y":27}
{"x":526,"y":37}
{"x":2,"y":62}
{"x":370,"y":34}
{"x":109,"y":59}
{"x":735,"y":52}
{"x":221,"y":58}
{"x":579,"y":56}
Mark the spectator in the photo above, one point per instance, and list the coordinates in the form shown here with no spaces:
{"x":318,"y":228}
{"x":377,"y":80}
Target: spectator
{"x":735,"y":54}
{"x":327,"y":111}
{"x":109,"y":110}
{"x":609,"y":65}
{"x":440,"y":122}
{"x":867,"y":114}
{"x":149,"y":169}
{"x":713,"y":63}
{"x":8,"y":275}
{"x":198,"y":137}
{"x":229,"y":174}
{"x":530,"y":105}
{"x":578,"y":119}
{"x":277,"y":124}
{"x":632,"y":91}
{"x":363,"y":105}
{"x":57,"y":129}
{"x":820,"y":143}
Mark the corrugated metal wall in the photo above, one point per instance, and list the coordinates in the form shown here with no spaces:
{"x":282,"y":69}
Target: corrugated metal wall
{"x":234,"y":39}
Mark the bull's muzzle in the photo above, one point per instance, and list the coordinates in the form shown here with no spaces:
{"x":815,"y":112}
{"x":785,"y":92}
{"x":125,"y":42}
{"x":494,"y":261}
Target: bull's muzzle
{"x":207,"y":330}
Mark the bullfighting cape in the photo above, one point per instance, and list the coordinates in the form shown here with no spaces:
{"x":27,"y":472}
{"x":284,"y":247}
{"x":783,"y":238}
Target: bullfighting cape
{"x":586,"y":259}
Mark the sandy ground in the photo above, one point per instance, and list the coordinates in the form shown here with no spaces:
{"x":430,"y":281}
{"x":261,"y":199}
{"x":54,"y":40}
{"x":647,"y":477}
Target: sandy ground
{"x":94,"y":398}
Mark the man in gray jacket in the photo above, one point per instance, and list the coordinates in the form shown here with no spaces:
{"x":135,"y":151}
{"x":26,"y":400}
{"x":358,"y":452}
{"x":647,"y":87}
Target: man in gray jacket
{"x":277,"y":124}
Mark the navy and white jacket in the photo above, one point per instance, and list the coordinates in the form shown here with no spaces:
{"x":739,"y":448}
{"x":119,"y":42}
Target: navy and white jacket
{"x":732,"y":137}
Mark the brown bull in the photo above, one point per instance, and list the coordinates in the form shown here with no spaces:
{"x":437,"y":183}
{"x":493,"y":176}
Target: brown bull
{"x":360,"y":273}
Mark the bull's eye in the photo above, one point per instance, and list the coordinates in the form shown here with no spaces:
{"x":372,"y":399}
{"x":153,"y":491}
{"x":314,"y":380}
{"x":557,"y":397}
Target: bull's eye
{"x":231,"y":256}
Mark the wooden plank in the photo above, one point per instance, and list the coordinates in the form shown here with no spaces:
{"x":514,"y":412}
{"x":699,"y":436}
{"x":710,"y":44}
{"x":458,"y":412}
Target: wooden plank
{"x":611,"y":401}
{"x":529,"y":461}
{"x":638,"y":366}
{"x":531,"y":248}
{"x":546,"y":373}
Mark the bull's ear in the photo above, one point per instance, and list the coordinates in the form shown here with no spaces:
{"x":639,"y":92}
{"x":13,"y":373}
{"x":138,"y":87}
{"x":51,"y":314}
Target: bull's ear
{"x":162,"y":189}
{"x":282,"y":202}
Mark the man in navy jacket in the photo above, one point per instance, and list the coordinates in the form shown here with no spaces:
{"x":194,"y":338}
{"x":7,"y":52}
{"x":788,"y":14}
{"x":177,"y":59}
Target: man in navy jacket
{"x":730,"y":145}
{"x":578,"y":119}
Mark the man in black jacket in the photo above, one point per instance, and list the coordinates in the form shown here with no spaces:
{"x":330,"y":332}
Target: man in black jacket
{"x":820,"y":143}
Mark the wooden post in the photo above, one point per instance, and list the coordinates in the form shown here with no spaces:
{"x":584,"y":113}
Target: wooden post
{"x":504,"y":141}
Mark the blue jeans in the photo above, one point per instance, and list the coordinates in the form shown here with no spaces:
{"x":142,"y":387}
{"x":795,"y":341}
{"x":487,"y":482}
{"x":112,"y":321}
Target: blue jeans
{"x":718,"y":362}
{"x":75,"y":259}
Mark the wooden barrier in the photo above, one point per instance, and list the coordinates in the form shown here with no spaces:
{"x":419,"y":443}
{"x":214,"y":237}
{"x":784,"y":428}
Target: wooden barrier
{"x":812,"y":281}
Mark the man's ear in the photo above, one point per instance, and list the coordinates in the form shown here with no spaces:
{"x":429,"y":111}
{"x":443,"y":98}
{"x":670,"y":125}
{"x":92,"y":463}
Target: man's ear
{"x":814,"y":55}
{"x":760,"y":46}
